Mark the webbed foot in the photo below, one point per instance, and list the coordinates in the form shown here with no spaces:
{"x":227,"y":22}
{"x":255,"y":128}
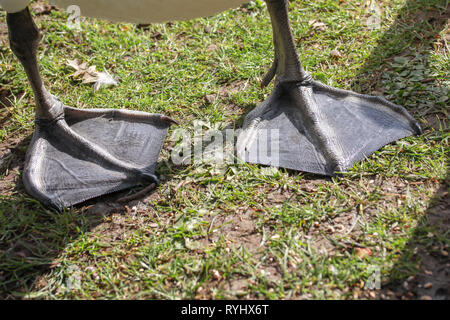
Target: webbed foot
{"x":315,"y":128}
{"x":76,"y":155}
{"x":83,"y":154}
{"x":308,"y":126}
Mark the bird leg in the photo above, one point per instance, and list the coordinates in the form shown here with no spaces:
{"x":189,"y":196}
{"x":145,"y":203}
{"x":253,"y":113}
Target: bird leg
{"x":322,"y":129}
{"x":75,"y":154}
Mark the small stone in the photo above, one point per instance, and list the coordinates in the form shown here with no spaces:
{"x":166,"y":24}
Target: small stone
{"x":428,"y":285}
{"x":390,"y":293}
{"x":444,"y":253}
{"x":405,"y":285}
{"x":426,"y":298}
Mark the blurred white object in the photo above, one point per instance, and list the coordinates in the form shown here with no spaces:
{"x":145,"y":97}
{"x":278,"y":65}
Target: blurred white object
{"x":137,"y":11}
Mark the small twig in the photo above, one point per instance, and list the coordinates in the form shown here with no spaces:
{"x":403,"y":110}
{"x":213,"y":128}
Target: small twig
{"x":346,"y":244}
{"x":212,"y":223}
{"x":355,"y":220}
{"x":137,"y":195}
{"x":263,"y":240}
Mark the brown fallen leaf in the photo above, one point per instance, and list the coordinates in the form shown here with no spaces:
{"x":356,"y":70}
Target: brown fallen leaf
{"x":363,"y":252}
{"x":335,"y":53}
{"x":317,"y":25}
{"x":89,"y":74}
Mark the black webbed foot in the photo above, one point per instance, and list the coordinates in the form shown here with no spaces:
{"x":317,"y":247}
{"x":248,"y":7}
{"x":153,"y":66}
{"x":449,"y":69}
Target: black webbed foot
{"x":319,"y":129}
{"x":83,"y":154}
{"x":76,"y":155}
{"x":308,"y":126}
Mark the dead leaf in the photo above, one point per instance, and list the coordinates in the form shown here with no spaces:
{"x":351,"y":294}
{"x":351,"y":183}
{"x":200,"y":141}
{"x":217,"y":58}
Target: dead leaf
{"x":335,"y":53}
{"x":90,"y":75}
{"x":318,"y":25}
{"x":363,"y":252}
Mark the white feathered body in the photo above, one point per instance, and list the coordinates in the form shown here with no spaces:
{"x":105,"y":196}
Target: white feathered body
{"x":137,"y":11}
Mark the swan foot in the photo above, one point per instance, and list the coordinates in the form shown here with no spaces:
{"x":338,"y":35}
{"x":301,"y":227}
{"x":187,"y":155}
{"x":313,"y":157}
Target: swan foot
{"x":311,"y":127}
{"x":308,"y":126}
{"x":85,"y":153}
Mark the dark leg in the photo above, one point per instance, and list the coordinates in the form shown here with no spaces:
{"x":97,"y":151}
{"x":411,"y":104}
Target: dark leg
{"x":71,"y":148}
{"x":24,"y":40}
{"x":322,"y":129}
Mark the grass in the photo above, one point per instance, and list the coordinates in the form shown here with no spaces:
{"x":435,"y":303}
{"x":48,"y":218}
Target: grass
{"x":238,"y":231}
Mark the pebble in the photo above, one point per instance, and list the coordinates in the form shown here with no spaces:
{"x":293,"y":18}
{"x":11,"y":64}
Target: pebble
{"x":410,"y":278}
{"x":428,"y":285}
{"x":444,"y":253}
{"x":405,"y":285}
{"x":426,"y":298}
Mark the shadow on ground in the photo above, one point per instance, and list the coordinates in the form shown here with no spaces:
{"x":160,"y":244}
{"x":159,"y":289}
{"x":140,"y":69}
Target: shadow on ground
{"x":430,"y":278}
{"x":423,"y":269}
{"x":32,"y":237}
